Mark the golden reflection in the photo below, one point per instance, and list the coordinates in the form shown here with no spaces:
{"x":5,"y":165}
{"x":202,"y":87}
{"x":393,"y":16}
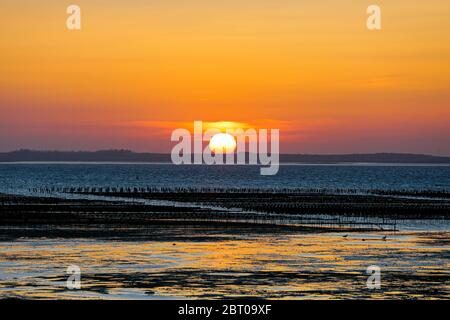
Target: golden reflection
{"x":283,"y":266}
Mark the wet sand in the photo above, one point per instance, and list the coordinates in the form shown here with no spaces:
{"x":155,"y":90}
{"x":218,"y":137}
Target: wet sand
{"x":158,"y":262}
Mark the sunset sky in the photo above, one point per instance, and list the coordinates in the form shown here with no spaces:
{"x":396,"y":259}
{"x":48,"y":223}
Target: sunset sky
{"x":139,"y":69}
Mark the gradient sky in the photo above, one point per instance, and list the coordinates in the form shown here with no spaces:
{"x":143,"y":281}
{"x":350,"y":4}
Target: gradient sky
{"x":139,"y":69}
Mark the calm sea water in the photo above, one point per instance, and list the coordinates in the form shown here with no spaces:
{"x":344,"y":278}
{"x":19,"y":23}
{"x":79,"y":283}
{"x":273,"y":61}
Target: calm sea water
{"x":18,"y":178}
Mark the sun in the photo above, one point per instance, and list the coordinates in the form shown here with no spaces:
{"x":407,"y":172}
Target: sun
{"x":222,"y":142}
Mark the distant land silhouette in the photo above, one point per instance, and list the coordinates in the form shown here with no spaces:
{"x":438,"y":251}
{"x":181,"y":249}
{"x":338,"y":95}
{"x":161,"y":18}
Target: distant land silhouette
{"x":130,"y":156}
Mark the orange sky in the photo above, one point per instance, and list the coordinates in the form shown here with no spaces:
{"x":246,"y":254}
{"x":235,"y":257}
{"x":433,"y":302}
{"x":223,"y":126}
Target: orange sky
{"x":139,"y":69}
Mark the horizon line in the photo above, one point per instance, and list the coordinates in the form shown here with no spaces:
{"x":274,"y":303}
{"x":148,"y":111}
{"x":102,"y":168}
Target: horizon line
{"x":118,"y":150}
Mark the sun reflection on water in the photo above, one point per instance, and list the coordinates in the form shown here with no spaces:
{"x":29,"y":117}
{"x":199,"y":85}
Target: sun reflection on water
{"x":227,"y":263}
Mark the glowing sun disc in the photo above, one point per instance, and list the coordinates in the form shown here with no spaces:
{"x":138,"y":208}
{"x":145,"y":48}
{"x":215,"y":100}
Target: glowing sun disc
{"x":222,"y":142}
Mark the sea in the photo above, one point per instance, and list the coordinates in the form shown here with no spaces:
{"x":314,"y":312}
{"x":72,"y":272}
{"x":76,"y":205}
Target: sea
{"x":17,"y":178}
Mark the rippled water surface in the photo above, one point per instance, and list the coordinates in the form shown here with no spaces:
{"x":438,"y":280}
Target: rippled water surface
{"x":20,"y":177}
